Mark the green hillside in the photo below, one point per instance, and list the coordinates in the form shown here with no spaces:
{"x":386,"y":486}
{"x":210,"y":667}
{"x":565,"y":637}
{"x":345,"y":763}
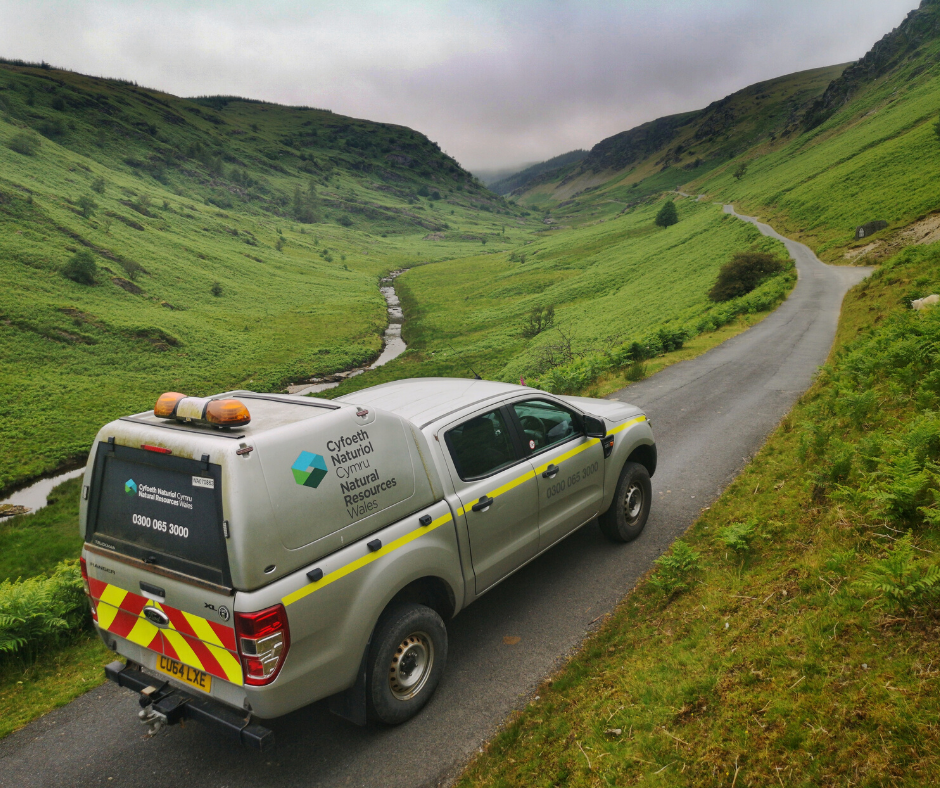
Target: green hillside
{"x":875,"y":157}
{"x":237,"y":243}
{"x":629,"y":167}
{"x":537,"y":173}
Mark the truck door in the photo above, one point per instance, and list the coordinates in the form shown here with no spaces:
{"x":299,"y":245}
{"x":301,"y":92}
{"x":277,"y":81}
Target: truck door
{"x":569,"y":466}
{"x":498,"y":494}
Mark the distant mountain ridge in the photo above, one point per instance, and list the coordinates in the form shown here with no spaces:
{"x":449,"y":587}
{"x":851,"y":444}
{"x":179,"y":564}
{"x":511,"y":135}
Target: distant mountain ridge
{"x":689,"y":142}
{"x":528,"y":176}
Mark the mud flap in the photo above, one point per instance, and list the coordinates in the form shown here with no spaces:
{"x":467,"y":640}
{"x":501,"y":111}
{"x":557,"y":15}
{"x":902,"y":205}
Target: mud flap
{"x":352,"y":704}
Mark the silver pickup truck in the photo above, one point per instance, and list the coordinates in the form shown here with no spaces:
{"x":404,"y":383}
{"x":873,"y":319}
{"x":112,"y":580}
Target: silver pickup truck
{"x":249,"y":553}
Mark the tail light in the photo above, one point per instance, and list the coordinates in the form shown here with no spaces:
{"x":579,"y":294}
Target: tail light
{"x":263,"y":640}
{"x":85,"y":583}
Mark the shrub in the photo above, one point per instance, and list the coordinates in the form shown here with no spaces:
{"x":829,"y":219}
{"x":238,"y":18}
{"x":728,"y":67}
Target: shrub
{"x":24,"y":143}
{"x":667,"y":215}
{"x":42,"y":611}
{"x":540,"y":319}
{"x":345,"y":221}
{"x":98,"y":184}
{"x":675,"y":568}
{"x":737,"y":536}
{"x":901,"y":579}
{"x":743,"y":273}
{"x":87,"y":206}
{"x":81,"y":268}
{"x":216,"y":289}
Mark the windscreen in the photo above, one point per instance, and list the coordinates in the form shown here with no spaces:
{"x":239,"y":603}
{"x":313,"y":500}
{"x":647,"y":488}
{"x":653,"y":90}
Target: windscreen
{"x":160,"y":509}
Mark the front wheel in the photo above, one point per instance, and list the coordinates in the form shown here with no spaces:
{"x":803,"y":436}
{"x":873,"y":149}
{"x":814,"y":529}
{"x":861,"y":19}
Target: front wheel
{"x":627,"y":515}
{"x":406,"y":661}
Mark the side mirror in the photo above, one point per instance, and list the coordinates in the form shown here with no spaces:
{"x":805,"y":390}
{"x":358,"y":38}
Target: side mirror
{"x":594,"y":427}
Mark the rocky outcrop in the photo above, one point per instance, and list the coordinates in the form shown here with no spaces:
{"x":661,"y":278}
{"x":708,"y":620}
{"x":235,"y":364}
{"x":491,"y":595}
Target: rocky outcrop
{"x":920,"y":27}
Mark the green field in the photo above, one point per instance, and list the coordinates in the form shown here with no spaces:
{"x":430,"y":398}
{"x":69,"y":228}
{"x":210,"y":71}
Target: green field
{"x":237,"y":244}
{"x":610,"y":284}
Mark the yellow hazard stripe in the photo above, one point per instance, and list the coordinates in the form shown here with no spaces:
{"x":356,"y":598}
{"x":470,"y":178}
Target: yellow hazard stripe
{"x":569,"y":454}
{"x":630,"y":423}
{"x":351,"y":567}
{"x":233,"y":670}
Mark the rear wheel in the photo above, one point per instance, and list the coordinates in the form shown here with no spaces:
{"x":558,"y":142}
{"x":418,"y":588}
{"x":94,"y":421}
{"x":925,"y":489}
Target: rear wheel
{"x":406,"y":661}
{"x":625,"y":519}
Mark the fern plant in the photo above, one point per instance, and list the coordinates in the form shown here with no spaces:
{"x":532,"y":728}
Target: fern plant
{"x":900,"y":577}
{"x":737,"y":536}
{"x":675,"y":568}
{"x":41,"y":611}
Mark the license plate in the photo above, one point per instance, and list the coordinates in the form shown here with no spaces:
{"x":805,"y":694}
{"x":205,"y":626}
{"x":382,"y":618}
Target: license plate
{"x":180,"y":672}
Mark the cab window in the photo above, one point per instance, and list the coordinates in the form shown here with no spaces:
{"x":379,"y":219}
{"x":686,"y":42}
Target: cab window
{"x":481,"y":446}
{"x":545,"y":424}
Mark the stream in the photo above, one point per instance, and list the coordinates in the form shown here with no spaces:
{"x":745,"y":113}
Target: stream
{"x":33,"y":498}
{"x":394,"y":344}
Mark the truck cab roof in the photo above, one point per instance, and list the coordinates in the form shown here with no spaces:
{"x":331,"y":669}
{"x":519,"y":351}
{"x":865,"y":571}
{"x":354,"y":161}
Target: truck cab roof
{"x":423,"y":401}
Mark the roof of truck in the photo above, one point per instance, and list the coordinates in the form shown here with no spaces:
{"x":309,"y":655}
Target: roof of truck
{"x":424,"y":400}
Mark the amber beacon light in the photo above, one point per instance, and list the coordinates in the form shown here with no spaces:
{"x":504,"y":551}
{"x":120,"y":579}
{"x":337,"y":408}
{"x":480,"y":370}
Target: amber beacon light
{"x":198,"y":410}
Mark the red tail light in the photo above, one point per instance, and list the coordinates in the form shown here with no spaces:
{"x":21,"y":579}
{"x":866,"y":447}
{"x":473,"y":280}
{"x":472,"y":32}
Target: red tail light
{"x":91,"y":602}
{"x":263,"y":640}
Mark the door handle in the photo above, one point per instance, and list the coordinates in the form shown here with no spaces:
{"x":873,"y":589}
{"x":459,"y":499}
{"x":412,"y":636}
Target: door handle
{"x":550,"y":472}
{"x":483,"y":504}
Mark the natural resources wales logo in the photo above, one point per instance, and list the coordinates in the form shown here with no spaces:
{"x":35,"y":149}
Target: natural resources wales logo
{"x":309,"y":469}
{"x":130,"y":487}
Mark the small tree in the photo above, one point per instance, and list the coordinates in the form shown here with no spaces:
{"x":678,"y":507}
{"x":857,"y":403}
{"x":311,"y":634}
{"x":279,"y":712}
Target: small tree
{"x":667,"y":215}
{"x":81,"y":268}
{"x":744,"y":272}
{"x":216,"y":289}
{"x":740,"y":172}
{"x":540,"y":319}
{"x":87,"y":206}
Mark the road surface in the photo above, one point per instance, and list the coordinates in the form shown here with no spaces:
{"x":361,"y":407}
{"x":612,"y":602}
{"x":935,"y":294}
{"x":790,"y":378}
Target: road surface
{"x":709,"y":416}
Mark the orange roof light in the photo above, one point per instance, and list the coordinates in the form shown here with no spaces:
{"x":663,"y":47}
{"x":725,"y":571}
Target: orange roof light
{"x":166,"y":405}
{"x":227,"y":413}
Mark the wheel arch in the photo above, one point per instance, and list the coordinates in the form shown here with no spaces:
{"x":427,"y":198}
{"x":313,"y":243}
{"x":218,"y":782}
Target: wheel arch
{"x":431,"y":591}
{"x":645,"y":455}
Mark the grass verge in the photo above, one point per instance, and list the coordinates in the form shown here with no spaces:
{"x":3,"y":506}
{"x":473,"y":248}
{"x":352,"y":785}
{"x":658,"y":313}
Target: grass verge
{"x":57,"y":677}
{"x":791,"y":637}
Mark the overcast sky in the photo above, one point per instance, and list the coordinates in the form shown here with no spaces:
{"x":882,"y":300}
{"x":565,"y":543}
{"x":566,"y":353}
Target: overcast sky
{"x":495,"y":82}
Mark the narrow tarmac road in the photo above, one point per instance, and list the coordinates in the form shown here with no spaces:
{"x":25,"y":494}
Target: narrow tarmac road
{"x":709,"y":416}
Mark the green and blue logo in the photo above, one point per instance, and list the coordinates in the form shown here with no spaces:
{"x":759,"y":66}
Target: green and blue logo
{"x":130,"y":487}
{"x":309,"y":469}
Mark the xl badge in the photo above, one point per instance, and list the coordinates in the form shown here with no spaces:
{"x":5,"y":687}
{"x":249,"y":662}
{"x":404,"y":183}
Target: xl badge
{"x":309,"y":469}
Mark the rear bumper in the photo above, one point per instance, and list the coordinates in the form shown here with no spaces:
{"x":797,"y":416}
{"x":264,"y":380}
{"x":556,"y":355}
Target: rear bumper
{"x":176,"y":704}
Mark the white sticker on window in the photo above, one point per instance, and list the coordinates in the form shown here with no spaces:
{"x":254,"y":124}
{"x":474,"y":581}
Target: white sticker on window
{"x":202,"y":481}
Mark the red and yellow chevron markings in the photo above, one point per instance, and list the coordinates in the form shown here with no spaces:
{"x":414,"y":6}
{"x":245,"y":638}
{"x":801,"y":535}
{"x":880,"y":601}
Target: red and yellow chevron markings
{"x":190,"y":639}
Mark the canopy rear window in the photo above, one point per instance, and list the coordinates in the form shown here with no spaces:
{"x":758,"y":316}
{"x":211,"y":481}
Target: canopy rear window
{"x":160,"y":509}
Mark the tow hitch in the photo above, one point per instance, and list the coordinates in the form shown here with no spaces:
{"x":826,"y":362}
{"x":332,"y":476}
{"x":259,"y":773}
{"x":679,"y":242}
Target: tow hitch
{"x":163,"y":704}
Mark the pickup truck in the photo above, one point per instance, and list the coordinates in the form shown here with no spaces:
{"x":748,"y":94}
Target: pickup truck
{"x":248,"y":554}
